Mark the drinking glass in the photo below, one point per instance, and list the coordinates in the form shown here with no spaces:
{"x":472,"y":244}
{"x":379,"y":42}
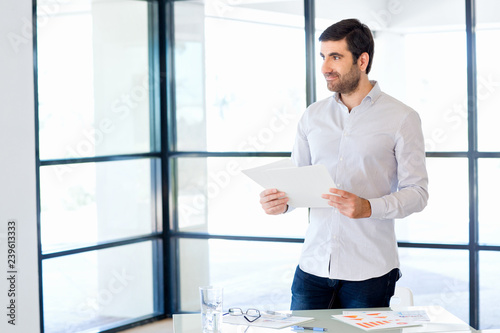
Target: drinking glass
{"x":211,"y":309}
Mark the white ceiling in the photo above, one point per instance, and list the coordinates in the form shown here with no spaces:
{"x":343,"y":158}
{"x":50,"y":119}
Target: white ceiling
{"x":392,"y":15}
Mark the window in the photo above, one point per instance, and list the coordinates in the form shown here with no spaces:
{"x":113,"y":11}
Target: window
{"x":149,"y":110}
{"x":488,"y":94}
{"x":425,"y":56}
{"x":100,"y":217}
{"x":239,"y":92}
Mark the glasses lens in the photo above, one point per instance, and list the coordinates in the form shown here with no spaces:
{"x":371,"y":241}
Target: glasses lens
{"x":253,"y":313}
{"x":235,"y":312}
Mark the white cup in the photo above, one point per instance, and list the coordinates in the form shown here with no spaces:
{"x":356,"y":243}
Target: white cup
{"x":211,"y":309}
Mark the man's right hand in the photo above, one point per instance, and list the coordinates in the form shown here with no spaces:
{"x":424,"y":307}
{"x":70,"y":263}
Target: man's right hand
{"x":273,"y":201}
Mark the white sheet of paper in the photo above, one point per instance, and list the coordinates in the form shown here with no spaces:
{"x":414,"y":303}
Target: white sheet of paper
{"x":269,"y":321}
{"x":303,"y":185}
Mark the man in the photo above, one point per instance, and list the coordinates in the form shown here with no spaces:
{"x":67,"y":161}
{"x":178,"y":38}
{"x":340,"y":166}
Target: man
{"x":373,"y":147}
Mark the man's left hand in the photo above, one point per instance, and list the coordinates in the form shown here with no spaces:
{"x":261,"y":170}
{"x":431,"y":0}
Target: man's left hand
{"x":348,"y":204}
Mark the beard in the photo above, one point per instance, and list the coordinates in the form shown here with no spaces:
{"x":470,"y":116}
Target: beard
{"x":346,"y":83}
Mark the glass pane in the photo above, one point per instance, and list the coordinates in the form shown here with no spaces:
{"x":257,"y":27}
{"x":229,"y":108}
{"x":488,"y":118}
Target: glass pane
{"x":488,"y":181}
{"x":93,"y":78}
{"x":488,"y":75}
{"x":437,"y":277}
{"x":408,"y":36}
{"x":98,"y":289}
{"x":489,"y":290}
{"x":446,"y":217}
{"x":95,"y":202}
{"x":240,"y":74}
{"x":216,"y":197}
{"x":260,"y":273}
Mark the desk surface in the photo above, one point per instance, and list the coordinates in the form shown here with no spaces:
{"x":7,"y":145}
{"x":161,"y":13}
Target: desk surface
{"x":441,"y":321}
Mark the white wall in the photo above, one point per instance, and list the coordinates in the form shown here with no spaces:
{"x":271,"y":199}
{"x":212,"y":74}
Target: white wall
{"x":17,"y":166}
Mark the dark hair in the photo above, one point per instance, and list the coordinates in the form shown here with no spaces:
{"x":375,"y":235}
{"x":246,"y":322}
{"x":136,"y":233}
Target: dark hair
{"x":358,"y":37}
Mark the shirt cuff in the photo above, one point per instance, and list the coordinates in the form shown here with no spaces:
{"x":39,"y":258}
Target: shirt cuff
{"x":289,"y":209}
{"x":378,"y":207}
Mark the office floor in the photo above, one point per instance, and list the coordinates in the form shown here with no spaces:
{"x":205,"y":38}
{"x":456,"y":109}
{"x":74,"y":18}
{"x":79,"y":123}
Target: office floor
{"x":163,"y":326}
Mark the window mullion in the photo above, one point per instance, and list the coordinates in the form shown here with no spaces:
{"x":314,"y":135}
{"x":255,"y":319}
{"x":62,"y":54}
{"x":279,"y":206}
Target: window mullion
{"x":473,"y":163}
{"x":309,"y":17}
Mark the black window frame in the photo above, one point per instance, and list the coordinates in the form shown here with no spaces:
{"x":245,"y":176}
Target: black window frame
{"x":160,"y":239}
{"x":167,"y":288}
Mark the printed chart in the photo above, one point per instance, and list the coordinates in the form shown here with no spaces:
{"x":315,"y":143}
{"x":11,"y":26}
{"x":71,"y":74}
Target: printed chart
{"x":382,"y":319}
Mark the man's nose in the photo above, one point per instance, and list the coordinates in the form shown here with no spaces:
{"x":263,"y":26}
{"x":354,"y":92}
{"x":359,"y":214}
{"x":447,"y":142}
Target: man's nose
{"x":325,"y":67}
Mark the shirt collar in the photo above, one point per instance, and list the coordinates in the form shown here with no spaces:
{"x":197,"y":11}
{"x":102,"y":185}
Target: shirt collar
{"x":372,"y":96}
{"x":375,"y":93}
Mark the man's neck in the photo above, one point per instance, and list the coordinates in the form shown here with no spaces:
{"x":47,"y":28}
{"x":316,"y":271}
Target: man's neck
{"x":355,"y":98}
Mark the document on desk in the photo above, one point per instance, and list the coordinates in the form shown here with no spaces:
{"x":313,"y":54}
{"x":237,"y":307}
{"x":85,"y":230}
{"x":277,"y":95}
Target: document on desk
{"x":267,"y":320}
{"x":302,"y":185}
{"x":374,"y":320}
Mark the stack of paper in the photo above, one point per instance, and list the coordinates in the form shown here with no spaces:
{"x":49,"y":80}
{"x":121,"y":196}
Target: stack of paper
{"x":373,"y":320}
{"x":302,"y":185}
{"x":267,"y":320}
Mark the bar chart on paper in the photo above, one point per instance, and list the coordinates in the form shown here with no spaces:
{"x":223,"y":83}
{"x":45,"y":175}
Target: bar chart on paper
{"x":382,"y":319}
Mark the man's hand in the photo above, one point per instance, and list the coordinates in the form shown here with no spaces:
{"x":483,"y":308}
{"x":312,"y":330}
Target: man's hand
{"x":273,"y":201}
{"x":348,"y":204}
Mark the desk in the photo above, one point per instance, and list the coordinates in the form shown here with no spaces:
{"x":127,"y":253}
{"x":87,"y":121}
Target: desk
{"x":441,"y":321}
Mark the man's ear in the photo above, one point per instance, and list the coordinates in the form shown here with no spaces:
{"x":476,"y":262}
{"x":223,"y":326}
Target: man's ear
{"x":363,"y":61}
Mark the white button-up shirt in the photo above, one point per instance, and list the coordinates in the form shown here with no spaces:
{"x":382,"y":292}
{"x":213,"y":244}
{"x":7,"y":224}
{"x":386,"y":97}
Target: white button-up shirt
{"x":376,"y":151}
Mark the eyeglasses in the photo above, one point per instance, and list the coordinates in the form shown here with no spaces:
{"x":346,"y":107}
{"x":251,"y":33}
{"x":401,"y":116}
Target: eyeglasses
{"x":250,"y":315}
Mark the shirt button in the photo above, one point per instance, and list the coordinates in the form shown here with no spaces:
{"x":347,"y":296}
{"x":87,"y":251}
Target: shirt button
{"x":341,"y":158}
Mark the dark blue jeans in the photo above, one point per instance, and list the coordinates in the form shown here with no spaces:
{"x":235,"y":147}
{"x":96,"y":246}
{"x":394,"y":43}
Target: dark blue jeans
{"x":311,"y":292}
